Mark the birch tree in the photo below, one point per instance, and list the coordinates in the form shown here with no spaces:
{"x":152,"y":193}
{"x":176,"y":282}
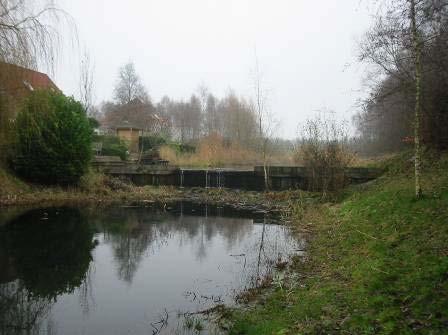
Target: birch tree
{"x":417,"y":49}
{"x":265,"y":121}
{"x":399,"y":39}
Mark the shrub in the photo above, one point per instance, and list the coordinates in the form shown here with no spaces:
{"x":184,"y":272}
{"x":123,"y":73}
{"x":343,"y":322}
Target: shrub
{"x":6,"y":133}
{"x":113,"y":146}
{"x":324,"y":151}
{"x":95,"y":182}
{"x":50,"y":259}
{"x":181,"y":148}
{"x":94,"y":123}
{"x":151,"y":142}
{"x":54,"y":139}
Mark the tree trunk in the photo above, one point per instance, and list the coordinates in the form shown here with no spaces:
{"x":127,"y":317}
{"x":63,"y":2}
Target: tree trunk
{"x":418,"y":76}
{"x":265,"y":169}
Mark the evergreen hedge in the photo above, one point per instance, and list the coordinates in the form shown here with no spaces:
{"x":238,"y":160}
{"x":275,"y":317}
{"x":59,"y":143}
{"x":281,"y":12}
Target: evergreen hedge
{"x":54,"y":139}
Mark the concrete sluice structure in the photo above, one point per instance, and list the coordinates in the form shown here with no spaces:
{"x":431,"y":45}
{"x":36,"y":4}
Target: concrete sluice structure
{"x":280,"y":177}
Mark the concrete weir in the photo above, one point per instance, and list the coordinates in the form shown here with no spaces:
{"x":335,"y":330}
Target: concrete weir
{"x":280,"y":177}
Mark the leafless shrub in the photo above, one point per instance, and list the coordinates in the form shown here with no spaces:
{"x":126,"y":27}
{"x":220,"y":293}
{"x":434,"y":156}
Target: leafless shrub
{"x":102,"y":184}
{"x":323,"y":150}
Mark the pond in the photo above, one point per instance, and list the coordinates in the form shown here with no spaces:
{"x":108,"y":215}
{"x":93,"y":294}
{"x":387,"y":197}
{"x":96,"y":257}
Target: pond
{"x":128,"y":270}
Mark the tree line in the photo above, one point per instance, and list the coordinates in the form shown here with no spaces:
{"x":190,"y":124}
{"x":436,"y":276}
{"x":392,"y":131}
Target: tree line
{"x":407,"y":47}
{"x":232,"y":117}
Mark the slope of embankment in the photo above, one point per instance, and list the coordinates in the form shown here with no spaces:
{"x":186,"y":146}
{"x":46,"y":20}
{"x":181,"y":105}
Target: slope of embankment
{"x":377,"y":262}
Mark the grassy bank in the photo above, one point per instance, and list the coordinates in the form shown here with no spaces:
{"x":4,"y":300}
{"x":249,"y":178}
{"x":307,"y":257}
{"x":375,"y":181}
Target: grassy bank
{"x":377,"y":263}
{"x":93,"y":188}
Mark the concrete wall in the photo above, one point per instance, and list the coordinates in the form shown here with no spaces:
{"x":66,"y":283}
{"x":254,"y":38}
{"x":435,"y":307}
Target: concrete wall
{"x":280,"y":178}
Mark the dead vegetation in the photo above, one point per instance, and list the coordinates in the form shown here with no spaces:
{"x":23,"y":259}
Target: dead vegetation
{"x":324,"y":151}
{"x":214,"y":151}
{"x":92,"y":188}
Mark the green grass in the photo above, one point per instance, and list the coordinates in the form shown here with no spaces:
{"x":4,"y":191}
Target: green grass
{"x":378,"y":263}
{"x":9,"y":184}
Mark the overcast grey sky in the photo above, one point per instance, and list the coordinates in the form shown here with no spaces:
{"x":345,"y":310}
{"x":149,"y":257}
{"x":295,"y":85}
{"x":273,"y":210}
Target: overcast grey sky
{"x":306,"y":50}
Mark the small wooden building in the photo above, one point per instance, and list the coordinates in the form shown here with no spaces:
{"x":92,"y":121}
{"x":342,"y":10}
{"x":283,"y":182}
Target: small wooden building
{"x":130,"y":134}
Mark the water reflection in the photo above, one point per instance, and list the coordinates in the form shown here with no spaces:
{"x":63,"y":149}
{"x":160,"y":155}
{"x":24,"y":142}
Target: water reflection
{"x":116,"y":270}
{"x":43,"y":254}
{"x":132,"y":233}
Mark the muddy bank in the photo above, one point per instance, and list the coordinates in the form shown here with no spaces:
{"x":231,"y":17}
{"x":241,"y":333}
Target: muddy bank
{"x":101,"y":190}
{"x":262,"y":202}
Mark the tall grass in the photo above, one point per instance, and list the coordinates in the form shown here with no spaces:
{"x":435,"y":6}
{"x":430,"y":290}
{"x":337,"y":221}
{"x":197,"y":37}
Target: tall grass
{"x":214,"y":151}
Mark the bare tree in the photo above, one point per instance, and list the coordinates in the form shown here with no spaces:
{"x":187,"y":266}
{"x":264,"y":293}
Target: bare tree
{"x":163,"y":110}
{"x":193,"y":115}
{"x":203,"y":94}
{"x":265,"y":120}
{"x":236,"y":120}
{"x":86,"y":84}
{"x":30,"y":32}
{"x":406,"y":47}
{"x":213,"y":123}
{"x":129,"y":86}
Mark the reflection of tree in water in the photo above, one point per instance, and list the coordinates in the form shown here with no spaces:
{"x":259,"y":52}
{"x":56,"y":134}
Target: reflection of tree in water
{"x":20,"y":313}
{"x":201,"y":252}
{"x":272,"y":244}
{"x":43,"y":254}
{"x":130,"y":247}
{"x":86,"y":297}
{"x":134,"y":232}
{"x":51,"y":250}
{"x":200,"y":231}
{"x":130,"y":235}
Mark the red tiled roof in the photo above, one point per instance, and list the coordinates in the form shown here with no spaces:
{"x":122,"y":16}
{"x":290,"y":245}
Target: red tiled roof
{"x":16,"y":80}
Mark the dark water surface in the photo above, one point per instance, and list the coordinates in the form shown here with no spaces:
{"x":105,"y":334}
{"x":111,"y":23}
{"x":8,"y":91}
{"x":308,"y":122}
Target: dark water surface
{"x":130,"y":270}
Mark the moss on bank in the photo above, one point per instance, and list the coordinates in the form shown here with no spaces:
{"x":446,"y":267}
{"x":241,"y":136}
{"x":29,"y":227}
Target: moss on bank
{"x":377,"y":263}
